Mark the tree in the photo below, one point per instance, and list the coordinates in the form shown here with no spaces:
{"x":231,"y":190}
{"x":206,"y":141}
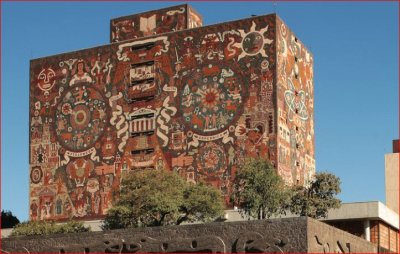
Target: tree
{"x":200,"y":203}
{"x":159,"y":197}
{"x":315,"y":201}
{"x":120,"y":216}
{"x":258,"y":190}
{"x":48,"y":228}
{"x":8,"y":220}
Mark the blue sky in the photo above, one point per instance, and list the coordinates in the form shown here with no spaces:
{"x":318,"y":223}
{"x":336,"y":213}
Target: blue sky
{"x":355,"y":48}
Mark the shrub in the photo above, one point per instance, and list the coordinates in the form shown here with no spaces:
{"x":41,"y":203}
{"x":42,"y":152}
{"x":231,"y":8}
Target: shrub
{"x":47,"y":228}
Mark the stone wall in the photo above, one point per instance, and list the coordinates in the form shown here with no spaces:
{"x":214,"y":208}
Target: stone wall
{"x":323,"y":238}
{"x":277,"y":235}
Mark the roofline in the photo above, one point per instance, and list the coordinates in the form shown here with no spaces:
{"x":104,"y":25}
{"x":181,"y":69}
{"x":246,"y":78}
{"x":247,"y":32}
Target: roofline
{"x":364,"y":210}
{"x":301,"y":42}
{"x":146,"y":12}
{"x":151,"y":36}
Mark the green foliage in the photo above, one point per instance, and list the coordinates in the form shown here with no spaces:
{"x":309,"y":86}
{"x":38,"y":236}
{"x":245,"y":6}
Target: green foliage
{"x":318,"y":198}
{"x":158,"y":197}
{"x":120,"y":217}
{"x":200,"y":203}
{"x":258,"y":190}
{"x":8,"y":220}
{"x":47,"y":228}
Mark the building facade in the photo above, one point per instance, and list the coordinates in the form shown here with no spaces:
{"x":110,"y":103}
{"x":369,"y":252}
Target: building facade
{"x":373,"y":221}
{"x":168,"y":94}
{"x":392,"y":179}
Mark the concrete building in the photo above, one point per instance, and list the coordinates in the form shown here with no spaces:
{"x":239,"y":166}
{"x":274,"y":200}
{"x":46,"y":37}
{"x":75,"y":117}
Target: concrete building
{"x":392,"y":177}
{"x":168,"y":94}
{"x":372,"y":221}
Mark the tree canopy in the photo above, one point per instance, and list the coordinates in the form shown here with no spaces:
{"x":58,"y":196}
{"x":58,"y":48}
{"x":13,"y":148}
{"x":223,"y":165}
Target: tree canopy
{"x":258,"y":190}
{"x":8,"y":220}
{"x":315,"y":200}
{"x":261,"y":193}
{"x":159,"y":197}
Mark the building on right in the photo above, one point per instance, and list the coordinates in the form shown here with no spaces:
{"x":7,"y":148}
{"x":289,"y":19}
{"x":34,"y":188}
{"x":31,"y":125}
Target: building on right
{"x":392,"y":177}
{"x":371,"y":220}
{"x":374,"y":221}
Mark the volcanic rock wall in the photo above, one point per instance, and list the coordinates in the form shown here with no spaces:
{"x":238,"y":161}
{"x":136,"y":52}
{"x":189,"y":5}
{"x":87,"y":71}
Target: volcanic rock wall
{"x":300,"y":235}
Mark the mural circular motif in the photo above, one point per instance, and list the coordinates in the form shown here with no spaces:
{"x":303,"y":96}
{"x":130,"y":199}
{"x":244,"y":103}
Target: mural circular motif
{"x":80,"y":118}
{"x":211,"y":98}
{"x":253,"y":43}
{"x":211,"y":159}
{"x":36,"y":175}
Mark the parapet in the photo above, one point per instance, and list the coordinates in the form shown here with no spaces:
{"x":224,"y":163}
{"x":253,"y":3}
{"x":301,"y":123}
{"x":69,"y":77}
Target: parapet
{"x":154,"y":22}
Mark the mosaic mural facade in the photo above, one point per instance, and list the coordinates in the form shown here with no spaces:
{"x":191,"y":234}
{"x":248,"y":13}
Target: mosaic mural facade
{"x":295,"y":99}
{"x":197,"y":102}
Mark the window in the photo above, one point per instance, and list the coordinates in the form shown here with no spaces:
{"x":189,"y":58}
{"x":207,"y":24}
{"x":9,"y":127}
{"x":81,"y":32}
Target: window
{"x":142,"y":127}
{"x":142,"y":124}
{"x":270,"y":123}
{"x":146,"y":46}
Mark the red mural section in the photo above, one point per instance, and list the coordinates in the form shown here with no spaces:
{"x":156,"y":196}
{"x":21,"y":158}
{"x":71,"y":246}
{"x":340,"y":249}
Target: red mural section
{"x":154,"y":22}
{"x":295,"y":88}
{"x":197,"y":102}
{"x":194,"y":18}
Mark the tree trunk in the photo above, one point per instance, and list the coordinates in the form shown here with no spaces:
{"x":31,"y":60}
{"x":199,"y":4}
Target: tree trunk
{"x":161,"y":220}
{"x":182,"y":219}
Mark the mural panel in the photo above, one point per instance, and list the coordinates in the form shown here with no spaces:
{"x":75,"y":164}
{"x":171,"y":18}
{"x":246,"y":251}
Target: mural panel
{"x":295,"y":88}
{"x":154,"y":22}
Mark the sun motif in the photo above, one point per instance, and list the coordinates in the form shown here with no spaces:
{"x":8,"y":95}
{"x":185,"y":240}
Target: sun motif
{"x":253,"y":42}
{"x":210,"y":98}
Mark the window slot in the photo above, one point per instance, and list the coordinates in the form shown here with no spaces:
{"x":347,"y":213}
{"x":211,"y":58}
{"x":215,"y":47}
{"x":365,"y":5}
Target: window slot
{"x":143,"y":151}
{"x":142,"y":81}
{"x":145,"y":133}
{"x":150,"y":115}
{"x":147,"y":98}
{"x":148,"y":63}
{"x":143,"y":168}
{"x":146,"y":46}
{"x":270,"y":123}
